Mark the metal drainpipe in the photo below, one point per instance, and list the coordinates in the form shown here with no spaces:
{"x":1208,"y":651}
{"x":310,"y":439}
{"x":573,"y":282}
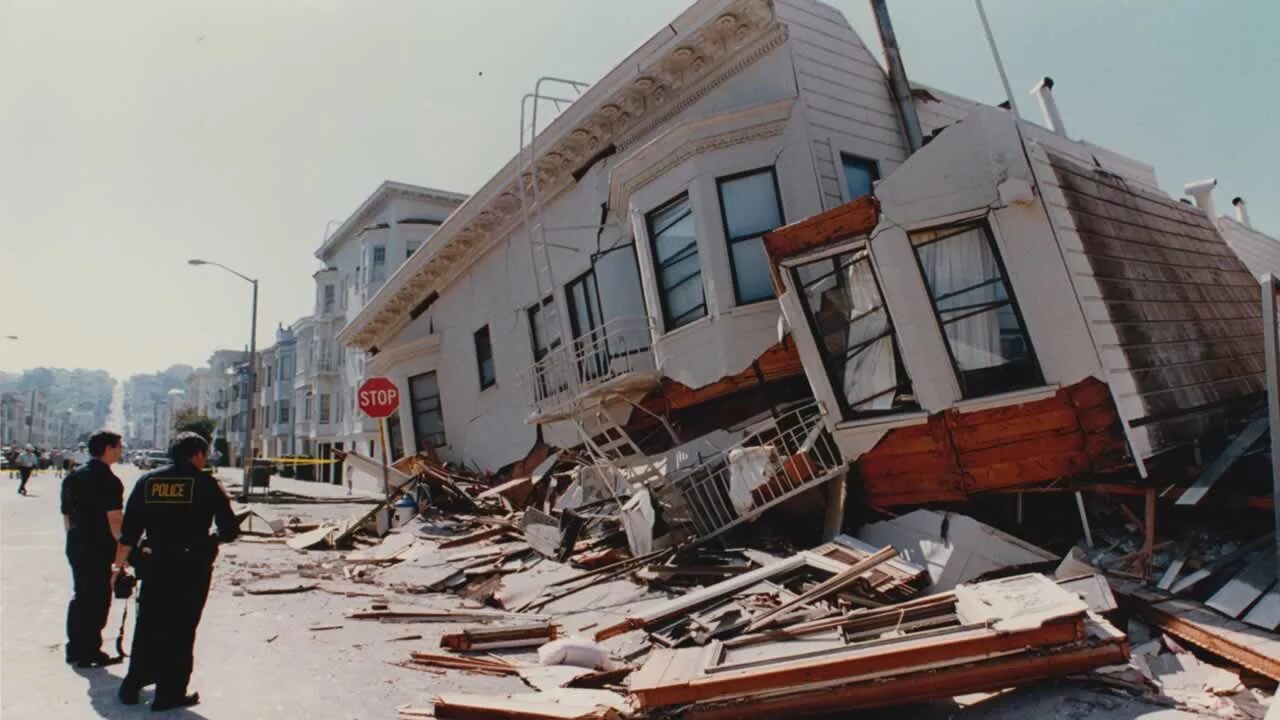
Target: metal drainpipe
{"x":898,"y":77}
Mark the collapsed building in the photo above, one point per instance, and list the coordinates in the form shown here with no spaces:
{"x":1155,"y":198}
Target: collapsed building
{"x":1002,"y":308}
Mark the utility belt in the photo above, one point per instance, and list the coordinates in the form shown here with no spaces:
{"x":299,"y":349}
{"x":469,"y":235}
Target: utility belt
{"x":147,"y":555}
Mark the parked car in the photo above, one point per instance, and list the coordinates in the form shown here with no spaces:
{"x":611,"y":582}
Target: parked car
{"x":153,"y":459}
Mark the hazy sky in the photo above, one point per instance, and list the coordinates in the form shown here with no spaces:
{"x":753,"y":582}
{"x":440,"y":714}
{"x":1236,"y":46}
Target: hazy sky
{"x":135,"y":135}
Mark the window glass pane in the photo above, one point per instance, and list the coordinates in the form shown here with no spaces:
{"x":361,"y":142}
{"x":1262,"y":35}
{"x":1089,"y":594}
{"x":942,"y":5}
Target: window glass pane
{"x":750,"y":205}
{"x":675,"y":251}
{"x":751,"y":278}
{"x":484,"y":357}
{"x":854,"y":334}
{"x":428,"y":418}
{"x":988,"y":343}
{"x":860,"y":175}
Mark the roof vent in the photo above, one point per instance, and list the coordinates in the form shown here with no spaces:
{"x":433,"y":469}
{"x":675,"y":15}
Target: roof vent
{"x":1052,"y":118}
{"x":1242,"y":211}
{"x":1202,"y":191}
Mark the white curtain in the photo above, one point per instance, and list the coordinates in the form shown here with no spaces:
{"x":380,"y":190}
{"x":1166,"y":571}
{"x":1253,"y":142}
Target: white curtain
{"x":872,"y":370}
{"x":950,"y":266}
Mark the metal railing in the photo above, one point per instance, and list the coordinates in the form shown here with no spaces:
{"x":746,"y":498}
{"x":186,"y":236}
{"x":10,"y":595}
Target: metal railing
{"x":617,"y":348}
{"x":791,"y":453}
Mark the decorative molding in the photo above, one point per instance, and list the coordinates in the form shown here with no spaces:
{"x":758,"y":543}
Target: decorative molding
{"x":704,"y":58}
{"x":627,"y":184}
{"x":381,"y":363}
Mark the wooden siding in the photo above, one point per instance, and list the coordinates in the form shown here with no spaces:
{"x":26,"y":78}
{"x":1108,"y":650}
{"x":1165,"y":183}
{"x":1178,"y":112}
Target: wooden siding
{"x":845,"y":92}
{"x":1174,"y":312}
{"x":956,"y":454}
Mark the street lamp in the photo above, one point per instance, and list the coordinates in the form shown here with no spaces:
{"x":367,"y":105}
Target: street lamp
{"x":247,"y":456}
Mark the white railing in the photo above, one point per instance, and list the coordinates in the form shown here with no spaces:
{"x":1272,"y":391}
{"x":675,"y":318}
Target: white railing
{"x":620,"y":347}
{"x":787,"y":455}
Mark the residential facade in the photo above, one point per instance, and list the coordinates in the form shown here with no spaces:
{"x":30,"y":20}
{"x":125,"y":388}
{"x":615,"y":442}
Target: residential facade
{"x":24,"y":418}
{"x":358,"y":258}
{"x":616,"y":288}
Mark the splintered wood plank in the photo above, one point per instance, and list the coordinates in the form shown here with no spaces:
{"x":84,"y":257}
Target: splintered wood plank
{"x":1239,"y":445}
{"x":858,"y":217}
{"x":1247,"y":586}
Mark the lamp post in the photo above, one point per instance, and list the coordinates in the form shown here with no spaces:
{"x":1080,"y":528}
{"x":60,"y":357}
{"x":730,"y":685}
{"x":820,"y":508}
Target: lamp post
{"x":247,"y":456}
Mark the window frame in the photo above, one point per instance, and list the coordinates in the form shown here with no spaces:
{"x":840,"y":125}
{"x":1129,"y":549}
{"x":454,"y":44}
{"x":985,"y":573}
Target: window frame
{"x":844,"y":185}
{"x":847,"y":411}
{"x":414,"y":411}
{"x":668,"y":324}
{"x":953,"y":230}
{"x":488,"y":344}
{"x":729,"y":240}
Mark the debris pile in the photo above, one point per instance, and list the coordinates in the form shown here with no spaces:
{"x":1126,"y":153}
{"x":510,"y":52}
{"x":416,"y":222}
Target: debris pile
{"x":638,"y":609}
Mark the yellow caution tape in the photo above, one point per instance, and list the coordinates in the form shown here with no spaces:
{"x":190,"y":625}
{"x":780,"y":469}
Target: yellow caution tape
{"x":297,"y":461}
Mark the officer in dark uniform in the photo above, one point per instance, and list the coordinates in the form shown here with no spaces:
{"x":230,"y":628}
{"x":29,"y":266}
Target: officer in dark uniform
{"x":92,"y":497}
{"x":172,"y":507}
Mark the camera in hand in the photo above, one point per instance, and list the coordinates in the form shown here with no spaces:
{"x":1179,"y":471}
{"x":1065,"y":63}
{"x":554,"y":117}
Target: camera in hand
{"x":123,"y":586}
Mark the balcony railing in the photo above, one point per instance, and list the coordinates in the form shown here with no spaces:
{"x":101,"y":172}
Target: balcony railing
{"x":789,"y":454}
{"x":618,"y":350}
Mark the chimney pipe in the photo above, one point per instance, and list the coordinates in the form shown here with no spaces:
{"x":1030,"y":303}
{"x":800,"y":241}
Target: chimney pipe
{"x":1048,"y":106}
{"x":1202,"y":191}
{"x":1242,"y":211}
{"x":898,"y":77}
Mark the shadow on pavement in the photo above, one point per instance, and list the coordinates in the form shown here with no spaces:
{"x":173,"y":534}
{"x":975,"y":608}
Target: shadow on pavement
{"x":103,"y":687}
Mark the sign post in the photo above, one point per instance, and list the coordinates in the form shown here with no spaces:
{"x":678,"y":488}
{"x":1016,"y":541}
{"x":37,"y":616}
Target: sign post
{"x":378,"y":398}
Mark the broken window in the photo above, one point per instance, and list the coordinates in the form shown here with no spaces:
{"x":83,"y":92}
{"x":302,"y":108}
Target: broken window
{"x":428,"y":416}
{"x":544,"y":336}
{"x":860,"y":175}
{"x":854,"y":333}
{"x":675,"y":262}
{"x":750,"y":206}
{"x":975,"y":307}
{"x":394,"y":438}
{"x":484,"y":358}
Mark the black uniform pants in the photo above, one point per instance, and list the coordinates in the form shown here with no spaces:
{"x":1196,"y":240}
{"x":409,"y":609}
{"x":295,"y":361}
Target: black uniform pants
{"x":90,"y":602}
{"x":24,"y":474}
{"x":170,"y":604}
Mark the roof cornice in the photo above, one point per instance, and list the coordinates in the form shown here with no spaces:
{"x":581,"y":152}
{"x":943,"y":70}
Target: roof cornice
{"x":383,"y":194}
{"x":707,"y":44}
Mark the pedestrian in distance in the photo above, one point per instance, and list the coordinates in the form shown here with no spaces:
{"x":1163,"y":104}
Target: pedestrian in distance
{"x":28,"y":461}
{"x":165,"y":537}
{"x":92,"y":502}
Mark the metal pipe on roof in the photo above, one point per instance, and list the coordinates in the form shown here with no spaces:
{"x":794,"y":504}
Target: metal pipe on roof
{"x":1242,"y":211}
{"x":898,"y":83}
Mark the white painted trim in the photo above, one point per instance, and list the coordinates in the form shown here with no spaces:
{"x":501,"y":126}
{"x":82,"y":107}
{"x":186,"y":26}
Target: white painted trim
{"x":1013,"y":397}
{"x":883,"y":422}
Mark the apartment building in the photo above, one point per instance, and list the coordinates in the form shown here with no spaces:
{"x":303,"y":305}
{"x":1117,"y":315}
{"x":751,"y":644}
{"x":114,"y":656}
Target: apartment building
{"x":358,"y":258}
{"x":616,"y":287}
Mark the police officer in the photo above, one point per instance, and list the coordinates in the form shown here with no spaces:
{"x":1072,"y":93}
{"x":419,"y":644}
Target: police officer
{"x":92,"y":497}
{"x":173,"y":508}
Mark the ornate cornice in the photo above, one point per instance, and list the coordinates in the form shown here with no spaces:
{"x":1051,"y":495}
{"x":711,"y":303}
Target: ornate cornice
{"x":628,"y":105}
{"x":664,"y":153}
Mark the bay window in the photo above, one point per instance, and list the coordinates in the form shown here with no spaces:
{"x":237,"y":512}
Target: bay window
{"x":750,"y":206}
{"x":675,"y":259}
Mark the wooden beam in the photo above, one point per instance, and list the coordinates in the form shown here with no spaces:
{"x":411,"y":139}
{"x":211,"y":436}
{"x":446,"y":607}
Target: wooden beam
{"x":829,"y":587}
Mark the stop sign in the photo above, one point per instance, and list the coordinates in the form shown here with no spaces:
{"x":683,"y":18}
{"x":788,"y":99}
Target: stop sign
{"x":378,"y":397}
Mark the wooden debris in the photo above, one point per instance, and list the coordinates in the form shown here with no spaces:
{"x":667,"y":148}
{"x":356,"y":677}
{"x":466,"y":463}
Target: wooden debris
{"x":1244,"y":645}
{"x":1238,"y":446}
{"x":563,"y":704}
{"x":827,"y":588}
{"x":426,"y":616}
{"x":286,"y":586}
{"x":500,"y":638}
{"x":484,"y":666}
{"x":475,"y":537}
{"x":322,"y":535}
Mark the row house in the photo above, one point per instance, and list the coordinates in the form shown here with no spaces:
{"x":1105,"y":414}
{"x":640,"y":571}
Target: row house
{"x":728,"y":274}
{"x":357,"y":259}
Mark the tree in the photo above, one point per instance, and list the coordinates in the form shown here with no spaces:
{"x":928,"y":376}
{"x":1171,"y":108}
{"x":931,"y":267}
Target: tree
{"x":191,"y":420}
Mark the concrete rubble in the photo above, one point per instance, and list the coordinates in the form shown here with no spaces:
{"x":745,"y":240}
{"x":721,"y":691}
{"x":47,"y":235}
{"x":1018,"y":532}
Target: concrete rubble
{"x":926,"y":607}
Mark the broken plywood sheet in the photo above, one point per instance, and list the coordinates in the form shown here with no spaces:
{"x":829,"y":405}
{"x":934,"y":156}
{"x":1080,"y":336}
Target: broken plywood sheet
{"x":954,"y":548}
{"x":1238,"y":446}
{"x":321,"y":536}
{"x":1266,"y":612}
{"x":562,"y":704}
{"x":257,"y":520}
{"x":1251,"y":583}
{"x":368,"y":473}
